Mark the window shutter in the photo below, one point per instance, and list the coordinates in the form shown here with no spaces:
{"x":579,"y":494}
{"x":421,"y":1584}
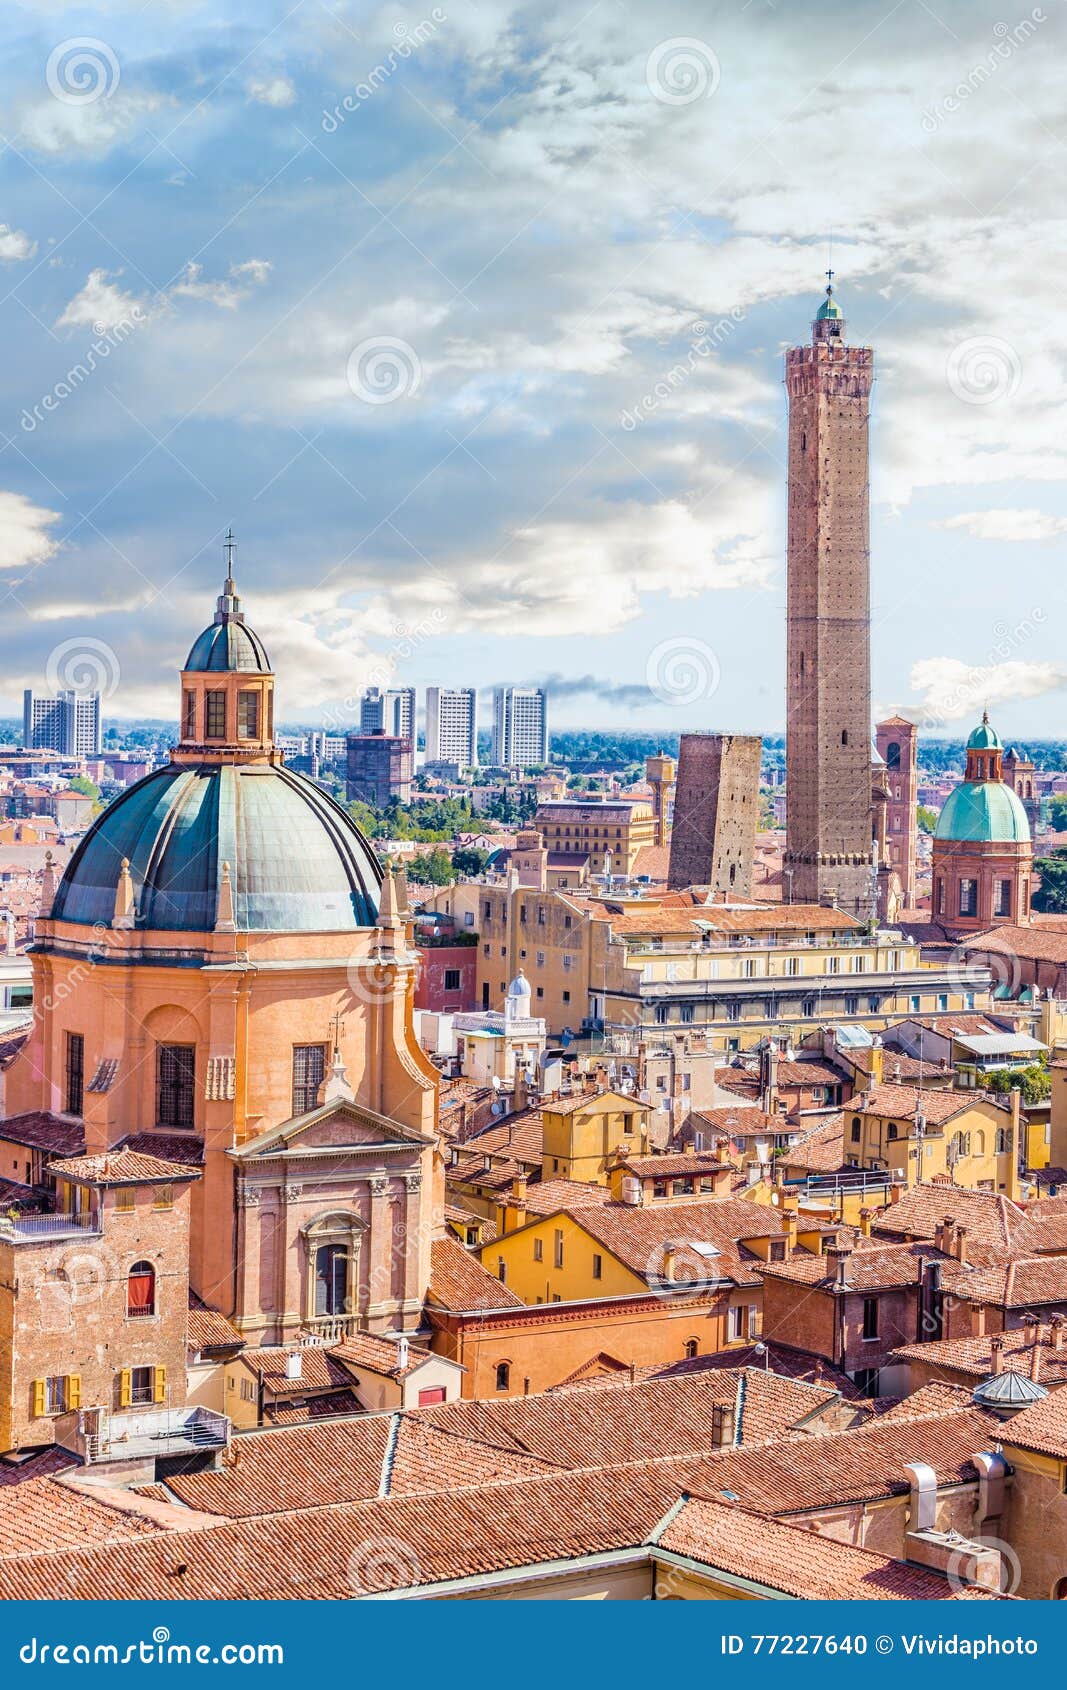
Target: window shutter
{"x":38,"y":1396}
{"x":159,"y":1384}
{"x":125,"y":1388}
{"x":753,"y":1316}
{"x":74,"y":1390}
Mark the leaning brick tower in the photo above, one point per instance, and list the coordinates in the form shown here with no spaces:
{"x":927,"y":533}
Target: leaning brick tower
{"x":829,"y":856}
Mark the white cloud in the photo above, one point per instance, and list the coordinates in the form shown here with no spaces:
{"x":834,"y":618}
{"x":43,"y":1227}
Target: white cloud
{"x":101,"y":305}
{"x":272,"y":91}
{"x":951,"y":690}
{"x":24,"y":532}
{"x":54,"y":127}
{"x":1008,"y":526}
{"x":14,"y":245}
{"x":225,"y":294}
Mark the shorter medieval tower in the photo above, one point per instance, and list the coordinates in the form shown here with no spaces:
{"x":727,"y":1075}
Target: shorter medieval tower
{"x":716,"y":807}
{"x":897,"y":741}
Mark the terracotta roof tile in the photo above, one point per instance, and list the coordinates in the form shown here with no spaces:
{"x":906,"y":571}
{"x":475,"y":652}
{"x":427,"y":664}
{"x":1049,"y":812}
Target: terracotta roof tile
{"x":790,"y":1559}
{"x":989,"y":1217}
{"x":1042,"y":1426}
{"x":48,"y":1512}
{"x":122,"y":1167}
{"x":61,"y":1135}
{"x":973,"y":1357}
{"x":459,"y":1281}
{"x":208,"y":1329}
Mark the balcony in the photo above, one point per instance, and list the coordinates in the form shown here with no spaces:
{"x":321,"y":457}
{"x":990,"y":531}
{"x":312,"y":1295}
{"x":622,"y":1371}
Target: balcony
{"x":141,"y":1434}
{"x":47,"y":1229}
{"x":329,"y":1328}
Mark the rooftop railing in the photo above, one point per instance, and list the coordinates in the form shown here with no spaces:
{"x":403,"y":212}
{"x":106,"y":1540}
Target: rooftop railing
{"x":38,"y":1229}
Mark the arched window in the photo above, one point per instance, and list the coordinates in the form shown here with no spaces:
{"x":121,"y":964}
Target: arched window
{"x":892,"y":755}
{"x":331,"y":1279}
{"x":691,"y":1348}
{"x":141,"y":1290}
{"x":503,"y":1375}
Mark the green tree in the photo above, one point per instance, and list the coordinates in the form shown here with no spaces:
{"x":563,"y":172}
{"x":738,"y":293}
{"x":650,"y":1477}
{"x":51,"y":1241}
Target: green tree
{"x":469,"y":860}
{"x":434,"y":869}
{"x":926,"y":818}
{"x":1034,"y":1081}
{"x":1057,"y":810}
{"x":1050,"y":898}
{"x":82,"y":784}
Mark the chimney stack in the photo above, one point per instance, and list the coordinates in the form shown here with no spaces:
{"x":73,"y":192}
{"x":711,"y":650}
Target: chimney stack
{"x":670,"y":1252}
{"x":866,"y":1217}
{"x":996,"y":1355}
{"x":960,"y":1250}
{"x":1056,"y":1327}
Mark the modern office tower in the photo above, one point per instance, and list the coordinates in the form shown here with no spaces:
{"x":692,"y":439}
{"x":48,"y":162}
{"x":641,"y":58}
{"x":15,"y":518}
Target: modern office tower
{"x":69,"y":723}
{"x":388,"y":712}
{"x":829,"y":854}
{"x":520,"y":727}
{"x":452,"y":725}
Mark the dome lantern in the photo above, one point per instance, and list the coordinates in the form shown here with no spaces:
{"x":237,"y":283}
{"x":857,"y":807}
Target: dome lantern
{"x":227,"y":705}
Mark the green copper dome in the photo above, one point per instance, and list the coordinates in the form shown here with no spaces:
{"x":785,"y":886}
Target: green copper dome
{"x":983,"y":811}
{"x":828,"y":308}
{"x":984,"y":738}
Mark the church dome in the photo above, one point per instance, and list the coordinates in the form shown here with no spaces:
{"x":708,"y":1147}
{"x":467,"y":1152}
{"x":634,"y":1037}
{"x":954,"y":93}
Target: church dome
{"x":983,"y":812}
{"x":984,"y":738}
{"x":828,"y":308}
{"x":227,"y":646}
{"x":298,"y":863}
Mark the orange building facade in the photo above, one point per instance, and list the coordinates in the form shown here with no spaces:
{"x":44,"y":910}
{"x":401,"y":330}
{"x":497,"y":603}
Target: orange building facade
{"x":225,"y":976}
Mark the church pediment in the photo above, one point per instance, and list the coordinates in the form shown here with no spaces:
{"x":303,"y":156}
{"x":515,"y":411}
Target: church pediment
{"x":332,"y":1127}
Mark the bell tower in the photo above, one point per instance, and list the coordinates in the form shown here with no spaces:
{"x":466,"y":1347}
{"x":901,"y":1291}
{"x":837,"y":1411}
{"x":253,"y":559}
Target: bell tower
{"x":829,"y":856}
{"x":227,"y":700}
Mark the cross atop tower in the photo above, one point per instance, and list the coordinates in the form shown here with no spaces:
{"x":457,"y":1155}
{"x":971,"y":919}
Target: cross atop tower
{"x":230,"y":546}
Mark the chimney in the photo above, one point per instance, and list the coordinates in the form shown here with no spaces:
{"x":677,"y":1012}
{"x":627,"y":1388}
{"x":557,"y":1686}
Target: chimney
{"x":402,"y":1348}
{"x":670,"y":1253}
{"x":877,"y":1062}
{"x":923,"y":1500}
{"x":723,"y":1425}
{"x":996,"y":1356}
{"x":1036,"y":1356}
{"x":896,"y":1191}
{"x":866,"y":1217}
{"x":960,"y":1250}
{"x":294,"y":1365}
{"x":839,"y":1255}
{"x":945,"y":1235}
{"x":977,"y":1320}
{"x":1015,"y":1146}
{"x":1056,"y":1327}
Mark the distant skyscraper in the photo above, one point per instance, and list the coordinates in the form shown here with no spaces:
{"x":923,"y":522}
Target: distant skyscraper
{"x":829,"y":852}
{"x":69,"y":723}
{"x":390,"y":712}
{"x":520,"y":727}
{"x":452,"y":725}
{"x":378,"y":768}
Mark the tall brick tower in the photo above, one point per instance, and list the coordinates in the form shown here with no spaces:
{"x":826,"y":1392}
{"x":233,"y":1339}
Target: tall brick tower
{"x":829,"y":856}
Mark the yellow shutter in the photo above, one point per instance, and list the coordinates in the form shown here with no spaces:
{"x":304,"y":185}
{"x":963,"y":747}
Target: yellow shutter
{"x":159,"y":1384}
{"x":125,"y":1388}
{"x":74,"y":1390}
{"x":38,"y":1396}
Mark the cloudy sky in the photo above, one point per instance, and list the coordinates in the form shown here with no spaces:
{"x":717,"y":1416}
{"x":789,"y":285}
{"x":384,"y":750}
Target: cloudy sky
{"x":470,"y":320}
